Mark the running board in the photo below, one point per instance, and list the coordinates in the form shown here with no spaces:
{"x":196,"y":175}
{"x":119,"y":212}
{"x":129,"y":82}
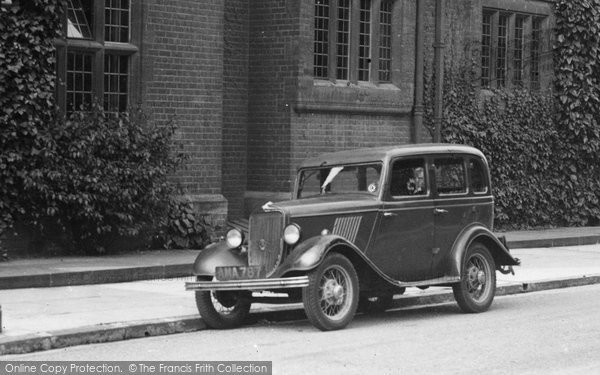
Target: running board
{"x":431,"y":282}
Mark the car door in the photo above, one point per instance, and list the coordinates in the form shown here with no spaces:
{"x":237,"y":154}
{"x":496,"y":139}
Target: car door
{"x":404,"y":235}
{"x":453,"y":207}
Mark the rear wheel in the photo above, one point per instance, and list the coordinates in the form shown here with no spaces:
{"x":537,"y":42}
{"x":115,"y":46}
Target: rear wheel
{"x":477,"y":286}
{"x":331,"y":297}
{"x":223,"y":309}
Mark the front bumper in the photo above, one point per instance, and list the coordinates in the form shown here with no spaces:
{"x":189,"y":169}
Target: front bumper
{"x":251,"y":284}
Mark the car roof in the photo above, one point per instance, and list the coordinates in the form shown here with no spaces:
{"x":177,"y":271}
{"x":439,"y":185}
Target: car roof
{"x":385,"y":153}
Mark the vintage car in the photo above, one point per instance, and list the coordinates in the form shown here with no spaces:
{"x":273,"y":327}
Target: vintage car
{"x":361,"y":226}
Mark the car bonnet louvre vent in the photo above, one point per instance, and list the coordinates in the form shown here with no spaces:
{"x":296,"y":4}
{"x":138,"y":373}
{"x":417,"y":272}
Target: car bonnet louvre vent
{"x":265,"y":242}
{"x":347,"y":227}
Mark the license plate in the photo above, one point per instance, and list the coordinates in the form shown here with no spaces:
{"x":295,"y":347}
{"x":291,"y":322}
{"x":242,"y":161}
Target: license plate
{"x":238,"y":273}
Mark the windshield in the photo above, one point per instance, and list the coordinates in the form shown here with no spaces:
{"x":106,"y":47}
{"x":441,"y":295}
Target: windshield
{"x":340,"y":180}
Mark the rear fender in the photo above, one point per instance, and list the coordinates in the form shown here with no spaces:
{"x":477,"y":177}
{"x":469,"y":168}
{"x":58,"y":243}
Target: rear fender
{"x":479,"y":233}
{"x":217,"y":255}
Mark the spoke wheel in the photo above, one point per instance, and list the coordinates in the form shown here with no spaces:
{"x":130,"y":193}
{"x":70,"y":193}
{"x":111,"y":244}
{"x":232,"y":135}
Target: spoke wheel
{"x":331,"y":297}
{"x":477,"y":286}
{"x":223,"y":310}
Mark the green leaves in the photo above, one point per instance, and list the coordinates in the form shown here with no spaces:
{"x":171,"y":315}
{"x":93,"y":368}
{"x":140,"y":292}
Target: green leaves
{"x":577,"y":61}
{"x":82,"y":180}
{"x":27,"y":83}
{"x":543,"y":149}
{"x":183,"y":228}
{"x":102,"y":178}
{"x":515,"y":130}
{"x":577,"y":71}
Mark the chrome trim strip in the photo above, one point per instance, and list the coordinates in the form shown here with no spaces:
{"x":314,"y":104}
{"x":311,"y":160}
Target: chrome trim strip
{"x":477,"y":199}
{"x":439,"y":280}
{"x":375,"y":208}
{"x":395,"y":207}
{"x":252,"y":284}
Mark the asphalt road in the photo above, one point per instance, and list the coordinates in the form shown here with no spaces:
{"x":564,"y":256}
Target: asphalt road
{"x":548,"y":332}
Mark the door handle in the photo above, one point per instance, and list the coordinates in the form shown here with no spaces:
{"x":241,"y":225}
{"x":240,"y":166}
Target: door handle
{"x":440,"y":211}
{"x":389,"y":214}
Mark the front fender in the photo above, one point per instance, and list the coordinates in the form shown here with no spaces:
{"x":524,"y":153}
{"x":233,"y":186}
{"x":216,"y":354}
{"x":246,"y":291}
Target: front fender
{"x":217,"y":255}
{"x":499,"y":251}
{"x":311,"y":252}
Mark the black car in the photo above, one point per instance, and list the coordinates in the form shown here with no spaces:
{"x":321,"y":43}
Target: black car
{"x":362,"y":226}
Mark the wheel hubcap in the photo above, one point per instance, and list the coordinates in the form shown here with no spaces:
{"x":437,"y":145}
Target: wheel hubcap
{"x":335,"y":290}
{"x":481,"y":277}
{"x":478,"y":275}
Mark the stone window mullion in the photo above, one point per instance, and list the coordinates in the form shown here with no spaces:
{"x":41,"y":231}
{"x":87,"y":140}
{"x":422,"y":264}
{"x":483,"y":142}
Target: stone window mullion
{"x":494,"y":49}
{"x":374,"y":44}
{"x":333,"y":25}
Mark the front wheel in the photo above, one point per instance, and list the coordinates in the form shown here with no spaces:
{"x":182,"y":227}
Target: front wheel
{"x":331,"y":297}
{"x":223,"y":309}
{"x":477,"y":286}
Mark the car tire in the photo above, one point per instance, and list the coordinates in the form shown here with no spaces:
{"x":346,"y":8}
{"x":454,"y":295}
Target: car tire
{"x":477,"y":287}
{"x":223,"y":309}
{"x":331,"y":297}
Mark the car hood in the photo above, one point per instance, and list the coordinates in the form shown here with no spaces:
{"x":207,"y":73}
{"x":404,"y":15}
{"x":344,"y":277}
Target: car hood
{"x":326,"y":204}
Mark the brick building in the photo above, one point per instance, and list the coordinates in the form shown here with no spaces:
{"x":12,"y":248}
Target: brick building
{"x":255,"y":86}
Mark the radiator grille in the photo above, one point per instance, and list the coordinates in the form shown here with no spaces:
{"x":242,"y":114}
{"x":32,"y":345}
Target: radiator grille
{"x":265,"y":242}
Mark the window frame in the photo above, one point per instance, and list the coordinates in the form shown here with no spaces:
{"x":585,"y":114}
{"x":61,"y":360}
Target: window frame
{"x":465,"y":178}
{"x":485,"y":176}
{"x":426,"y":179}
{"x":353,"y":60}
{"x":301,"y":181}
{"x":98,"y":47}
{"x":517,"y":66}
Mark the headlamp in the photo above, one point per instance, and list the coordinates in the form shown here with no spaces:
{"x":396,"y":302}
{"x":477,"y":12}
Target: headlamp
{"x":291,"y":234}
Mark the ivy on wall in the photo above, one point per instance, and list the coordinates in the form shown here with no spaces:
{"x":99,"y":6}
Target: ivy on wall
{"x":577,"y":71}
{"x":544,"y":148}
{"x":515,"y":130}
{"x":84,"y":180}
{"x":27,"y":83}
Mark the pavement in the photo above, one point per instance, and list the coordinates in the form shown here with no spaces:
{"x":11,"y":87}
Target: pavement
{"x":59,"y":302}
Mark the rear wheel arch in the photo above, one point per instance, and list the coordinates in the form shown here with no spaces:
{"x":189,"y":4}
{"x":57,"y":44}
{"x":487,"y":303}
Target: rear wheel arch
{"x":482,"y":235}
{"x":494,"y":247}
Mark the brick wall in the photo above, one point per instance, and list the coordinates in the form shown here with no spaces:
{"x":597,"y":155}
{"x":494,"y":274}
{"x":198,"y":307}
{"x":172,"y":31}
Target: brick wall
{"x":235,"y":104}
{"x":318,"y":133}
{"x":182,"y":81}
{"x":332,"y":117}
{"x":273,"y":35}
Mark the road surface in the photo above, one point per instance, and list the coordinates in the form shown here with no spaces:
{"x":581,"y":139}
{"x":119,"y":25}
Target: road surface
{"x":551,"y":332}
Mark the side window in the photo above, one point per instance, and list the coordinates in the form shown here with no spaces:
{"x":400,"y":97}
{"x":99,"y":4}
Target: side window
{"x":408,"y":178}
{"x":450,"y":176}
{"x":479,"y":182}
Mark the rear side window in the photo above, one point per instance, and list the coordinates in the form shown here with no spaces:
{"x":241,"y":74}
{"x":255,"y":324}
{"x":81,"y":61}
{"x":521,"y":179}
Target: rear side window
{"x":479,"y":181}
{"x":450,"y":176}
{"x":408,"y":178}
